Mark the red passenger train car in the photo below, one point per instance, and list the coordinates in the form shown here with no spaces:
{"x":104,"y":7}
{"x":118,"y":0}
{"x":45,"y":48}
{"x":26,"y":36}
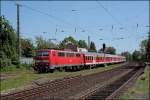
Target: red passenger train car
{"x":50,"y":59}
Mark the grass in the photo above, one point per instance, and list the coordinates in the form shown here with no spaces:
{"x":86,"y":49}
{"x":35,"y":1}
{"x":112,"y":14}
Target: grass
{"x":140,"y":88}
{"x":9,"y":68}
{"x":25,"y":77}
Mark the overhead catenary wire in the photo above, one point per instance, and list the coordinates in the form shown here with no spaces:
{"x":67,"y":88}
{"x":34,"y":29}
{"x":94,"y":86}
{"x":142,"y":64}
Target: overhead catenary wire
{"x":65,"y":22}
{"x":56,"y":18}
{"x":114,"y":18}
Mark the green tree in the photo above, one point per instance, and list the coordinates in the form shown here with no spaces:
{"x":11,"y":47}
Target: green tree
{"x":82,"y":44}
{"x":26,"y":48}
{"x":8,"y":40}
{"x":110,"y":50}
{"x":136,"y":56}
{"x":128,"y":55}
{"x":148,"y":49}
{"x":44,"y":44}
{"x":67,"y":40}
{"x":92,"y":47}
{"x":71,"y":39}
{"x":143,"y":48}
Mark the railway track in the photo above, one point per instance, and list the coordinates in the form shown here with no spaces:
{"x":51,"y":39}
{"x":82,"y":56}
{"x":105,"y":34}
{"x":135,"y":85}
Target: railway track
{"x":79,"y":87}
{"x":112,"y":90}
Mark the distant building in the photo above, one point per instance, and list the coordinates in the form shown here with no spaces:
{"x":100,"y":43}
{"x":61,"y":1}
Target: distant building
{"x":25,"y":60}
{"x":82,"y":49}
{"x":70,"y":47}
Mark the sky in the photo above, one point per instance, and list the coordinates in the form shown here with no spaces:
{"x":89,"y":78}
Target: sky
{"x":121,"y":24}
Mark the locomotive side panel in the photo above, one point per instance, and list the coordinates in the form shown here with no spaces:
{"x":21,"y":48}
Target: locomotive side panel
{"x":66,"y":59}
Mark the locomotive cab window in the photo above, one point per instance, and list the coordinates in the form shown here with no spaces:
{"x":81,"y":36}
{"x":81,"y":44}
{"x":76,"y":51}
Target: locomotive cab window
{"x":61,"y":54}
{"x":42,"y":53}
{"x":45,"y":54}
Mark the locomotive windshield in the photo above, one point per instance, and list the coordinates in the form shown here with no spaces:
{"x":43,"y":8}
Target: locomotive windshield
{"x":42,"y":53}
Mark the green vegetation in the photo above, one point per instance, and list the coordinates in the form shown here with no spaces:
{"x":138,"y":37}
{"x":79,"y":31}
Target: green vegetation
{"x":25,"y":77}
{"x":128,"y":55}
{"x":13,"y":68}
{"x":143,"y":54}
{"x":8,"y":68}
{"x":92,"y":47}
{"x":140,"y":88}
{"x":148,"y":49}
{"x":109,"y":50}
{"x":8,"y":39}
{"x":82,"y":44}
{"x":27,"y":48}
{"x":44,"y":44}
{"x":8,"y":45}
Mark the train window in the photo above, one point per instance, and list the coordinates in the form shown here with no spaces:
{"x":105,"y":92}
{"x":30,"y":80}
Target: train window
{"x":39,"y":54}
{"x":107,"y":58}
{"x":97,"y":58}
{"x":77,"y":55}
{"x":43,"y":53}
{"x":61,"y":54}
{"x":70,"y":54}
{"x":87,"y":57}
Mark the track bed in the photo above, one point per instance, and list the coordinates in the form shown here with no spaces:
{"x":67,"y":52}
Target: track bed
{"x":92,"y":86}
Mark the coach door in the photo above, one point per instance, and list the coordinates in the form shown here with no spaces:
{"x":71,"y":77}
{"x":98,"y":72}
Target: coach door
{"x":94,"y":59}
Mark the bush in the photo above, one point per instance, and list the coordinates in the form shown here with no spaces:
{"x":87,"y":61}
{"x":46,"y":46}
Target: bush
{"x":15,"y":60}
{"x":8,"y":68}
{"x":5,"y":62}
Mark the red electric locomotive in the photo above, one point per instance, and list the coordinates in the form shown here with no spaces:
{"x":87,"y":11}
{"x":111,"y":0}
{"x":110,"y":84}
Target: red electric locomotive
{"x":47,"y":60}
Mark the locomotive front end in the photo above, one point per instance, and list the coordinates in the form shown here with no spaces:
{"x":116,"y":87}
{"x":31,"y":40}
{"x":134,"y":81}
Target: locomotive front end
{"x":42,"y":61}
